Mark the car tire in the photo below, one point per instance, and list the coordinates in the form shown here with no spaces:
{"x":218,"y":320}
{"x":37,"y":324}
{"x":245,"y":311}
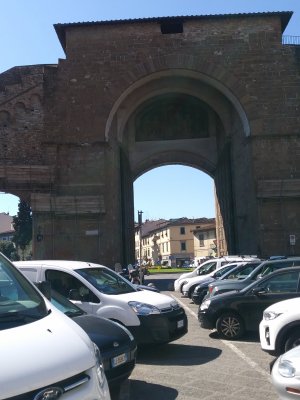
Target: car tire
{"x":191,"y":290}
{"x":230,"y":326}
{"x":293,"y":340}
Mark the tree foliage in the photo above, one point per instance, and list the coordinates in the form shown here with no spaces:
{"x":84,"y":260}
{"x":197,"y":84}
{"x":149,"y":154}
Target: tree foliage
{"x":8,"y":249}
{"x":22,"y":224}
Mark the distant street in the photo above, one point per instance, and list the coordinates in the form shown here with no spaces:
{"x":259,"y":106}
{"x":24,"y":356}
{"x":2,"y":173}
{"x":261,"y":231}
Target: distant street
{"x":200,"y":365}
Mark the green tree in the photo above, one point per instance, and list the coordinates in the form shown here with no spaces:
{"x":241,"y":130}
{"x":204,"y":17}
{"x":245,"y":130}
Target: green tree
{"x":8,"y":249}
{"x":22,"y":224}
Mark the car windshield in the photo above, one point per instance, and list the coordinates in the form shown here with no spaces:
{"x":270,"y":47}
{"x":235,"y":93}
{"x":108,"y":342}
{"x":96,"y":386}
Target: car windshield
{"x":64,"y":305}
{"x":20,"y":303}
{"x":106,"y":280}
{"x":241,"y":272}
{"x":207,"y":268}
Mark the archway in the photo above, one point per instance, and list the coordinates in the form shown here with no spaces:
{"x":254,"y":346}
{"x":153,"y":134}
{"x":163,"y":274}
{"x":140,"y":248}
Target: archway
{"x":181,"y":117}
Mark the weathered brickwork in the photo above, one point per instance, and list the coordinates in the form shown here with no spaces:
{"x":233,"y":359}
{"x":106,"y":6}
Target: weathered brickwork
{"x":77,"y":127}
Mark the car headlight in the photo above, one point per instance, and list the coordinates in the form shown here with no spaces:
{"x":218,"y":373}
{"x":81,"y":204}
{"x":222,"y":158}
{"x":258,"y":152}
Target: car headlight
{"x":99,"y":366}
{"x":143,"y":308}
{"x":286,"y":369}
{"x":205,"y":305}
{"x":269,"y":315}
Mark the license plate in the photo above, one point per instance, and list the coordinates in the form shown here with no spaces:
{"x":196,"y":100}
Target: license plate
{"x":180,"y":323}
{"x":118,"y":360}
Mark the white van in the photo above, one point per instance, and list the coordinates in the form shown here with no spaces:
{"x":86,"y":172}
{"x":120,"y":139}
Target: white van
{"x":44,"y":354}
{"x":208,"y":267}
{"x":150,"y":316}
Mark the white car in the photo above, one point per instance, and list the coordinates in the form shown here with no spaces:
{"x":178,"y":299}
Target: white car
{"x":207,"y":267}
{"x":151,"y":317}
{"x":279,"y":329}
{"x":286,"y":374}
{"x":190,"y":285}
{"x":44,"y":353}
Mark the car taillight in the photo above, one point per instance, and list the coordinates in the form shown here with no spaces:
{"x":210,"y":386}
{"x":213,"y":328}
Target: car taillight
{"x":210,"y":289}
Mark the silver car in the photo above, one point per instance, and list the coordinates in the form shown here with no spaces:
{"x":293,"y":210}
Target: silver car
{"x":286,"y":374}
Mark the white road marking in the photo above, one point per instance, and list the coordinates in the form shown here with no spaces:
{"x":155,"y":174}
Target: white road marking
{"x":237,"y":351}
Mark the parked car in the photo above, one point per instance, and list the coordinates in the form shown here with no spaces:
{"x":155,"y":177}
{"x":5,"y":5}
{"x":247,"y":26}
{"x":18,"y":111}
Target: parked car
{"x":117,"y":345}
{"x":285,"y":374}
{"x":229,"y":271}
{"x":189,"y":287}
{"x":44,"y":353}
{"x":150,"y":316}
{"x":262,"y":270}
{"x":235,"y":312}
{"x":279,"y":329}
{"x":206,"y":268}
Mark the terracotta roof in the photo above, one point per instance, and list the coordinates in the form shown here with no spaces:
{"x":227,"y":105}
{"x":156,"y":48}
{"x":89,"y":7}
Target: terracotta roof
{"x":60,"y":29}
{"x":150,"y":226}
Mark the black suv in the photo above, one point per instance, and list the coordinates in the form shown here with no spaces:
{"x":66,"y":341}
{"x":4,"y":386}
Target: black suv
{"x":235,"y":312}
{"x":262,"y":270}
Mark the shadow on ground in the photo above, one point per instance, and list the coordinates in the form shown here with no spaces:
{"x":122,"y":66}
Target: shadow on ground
{"x":248,"y":337}
{"x":149,"y":391}
{"x":177,"y":354}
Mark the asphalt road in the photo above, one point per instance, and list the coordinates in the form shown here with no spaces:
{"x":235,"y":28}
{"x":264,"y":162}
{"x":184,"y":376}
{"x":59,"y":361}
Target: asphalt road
{"x":200,"y":365}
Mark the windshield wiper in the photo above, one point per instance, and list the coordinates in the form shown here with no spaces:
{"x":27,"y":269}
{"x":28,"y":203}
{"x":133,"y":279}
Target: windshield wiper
{"x":72,"y":314}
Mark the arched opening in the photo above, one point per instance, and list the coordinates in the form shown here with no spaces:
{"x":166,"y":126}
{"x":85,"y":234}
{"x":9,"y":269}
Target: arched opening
{"x":174,"y":216}
{"x":178,"y":119}
{"x":15,"y":227}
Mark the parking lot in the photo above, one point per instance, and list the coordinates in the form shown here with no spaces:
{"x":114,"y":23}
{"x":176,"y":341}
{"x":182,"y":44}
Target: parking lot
{"x":200,"y":365}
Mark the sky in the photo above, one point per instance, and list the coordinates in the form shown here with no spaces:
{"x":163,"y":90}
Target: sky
{"x":27,"y":37}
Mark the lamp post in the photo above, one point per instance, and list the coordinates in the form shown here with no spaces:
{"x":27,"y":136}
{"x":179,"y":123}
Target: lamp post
{"x":140,"y":222}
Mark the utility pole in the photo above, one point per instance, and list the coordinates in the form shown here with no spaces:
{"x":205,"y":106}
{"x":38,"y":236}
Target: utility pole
{"x":140,"y":222}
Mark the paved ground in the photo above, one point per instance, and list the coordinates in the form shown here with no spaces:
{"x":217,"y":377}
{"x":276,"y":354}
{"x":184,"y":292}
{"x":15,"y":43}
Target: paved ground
{"x":200,"y":366}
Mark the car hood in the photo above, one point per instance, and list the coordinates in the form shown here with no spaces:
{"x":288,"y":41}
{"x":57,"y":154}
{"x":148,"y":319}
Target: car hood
{"x":44,"y":352}
{"x":232,"y":284}
{"x":285,"y":305}
{"x":224,"y":296}
{"x":158,"y":300}
{"x":102,"y":331}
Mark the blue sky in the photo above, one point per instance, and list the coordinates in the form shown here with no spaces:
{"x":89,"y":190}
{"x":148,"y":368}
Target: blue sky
{"x":28,"y":37}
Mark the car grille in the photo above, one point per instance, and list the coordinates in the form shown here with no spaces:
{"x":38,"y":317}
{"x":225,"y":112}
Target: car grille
{"x":66,"y":385}
{"x":170,"y":308}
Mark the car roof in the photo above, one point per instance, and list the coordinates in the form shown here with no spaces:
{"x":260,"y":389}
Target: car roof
{"x":66,"y":264}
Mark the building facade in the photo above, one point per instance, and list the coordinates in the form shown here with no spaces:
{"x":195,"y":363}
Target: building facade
{"x":6,"y":227}
{"x":172,"y":242}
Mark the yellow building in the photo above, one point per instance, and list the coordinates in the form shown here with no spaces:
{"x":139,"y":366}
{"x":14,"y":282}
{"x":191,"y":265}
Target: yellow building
{"x":169,"y":242}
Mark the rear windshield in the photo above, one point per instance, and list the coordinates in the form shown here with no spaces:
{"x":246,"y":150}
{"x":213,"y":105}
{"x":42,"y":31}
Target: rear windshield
{"x":106,"y":281}
{"x":20,"y":303}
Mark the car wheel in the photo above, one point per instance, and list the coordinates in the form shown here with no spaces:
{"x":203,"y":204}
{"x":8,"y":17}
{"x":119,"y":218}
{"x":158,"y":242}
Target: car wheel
{"x":293,"y":340}
{"x":230,"y":326}
{"x":181,"y":287}
{"x":191,"y":290}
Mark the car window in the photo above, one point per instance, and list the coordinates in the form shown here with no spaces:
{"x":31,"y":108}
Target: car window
{"x":67,"y":284}
{"x":106,"y":281}
{"x":223,"y":271}
{"x":242,"y":272}
{"x":208,"y":268}
{"x":271,"y":267}
{"x":282,"y":283}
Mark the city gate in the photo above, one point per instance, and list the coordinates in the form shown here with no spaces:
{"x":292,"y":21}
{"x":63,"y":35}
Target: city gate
{"x":220,"y":93}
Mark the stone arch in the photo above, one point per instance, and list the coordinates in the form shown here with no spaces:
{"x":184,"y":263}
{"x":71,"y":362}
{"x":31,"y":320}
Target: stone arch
{"x":189,"y":67}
